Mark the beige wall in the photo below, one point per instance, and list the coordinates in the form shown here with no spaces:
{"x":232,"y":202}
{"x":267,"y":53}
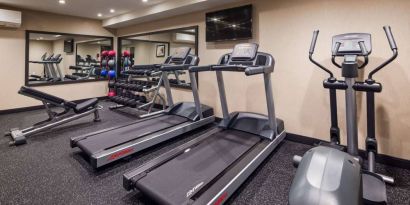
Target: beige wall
{"x":37,"y":50}
{"x":12,"y":42}
{"x":284,"y":29}
{"x":68,"y":58}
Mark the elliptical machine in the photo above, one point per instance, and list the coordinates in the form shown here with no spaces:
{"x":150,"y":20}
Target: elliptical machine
{"x":327,"y":175}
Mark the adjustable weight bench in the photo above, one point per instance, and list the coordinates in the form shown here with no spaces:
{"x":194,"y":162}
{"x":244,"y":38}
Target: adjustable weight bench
{"x":79,"y":110}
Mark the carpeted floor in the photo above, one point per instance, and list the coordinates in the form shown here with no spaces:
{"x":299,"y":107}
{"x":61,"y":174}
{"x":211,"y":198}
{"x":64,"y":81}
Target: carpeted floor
{"x":48,"y":171}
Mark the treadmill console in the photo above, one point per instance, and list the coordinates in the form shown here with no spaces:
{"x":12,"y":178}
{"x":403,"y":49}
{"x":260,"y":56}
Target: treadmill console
{"x":181,"y":53}
{"x":349,"y":43}
{"x":244,"y":52}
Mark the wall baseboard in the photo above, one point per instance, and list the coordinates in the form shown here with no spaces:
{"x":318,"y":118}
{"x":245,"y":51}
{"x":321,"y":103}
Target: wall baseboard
{"x":381,"y":158}
{"x":38,"y":107}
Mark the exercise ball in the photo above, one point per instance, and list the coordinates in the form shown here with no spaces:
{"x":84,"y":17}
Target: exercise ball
{"x":111,"y":74}
{"x":126,"y":54}
{"x":111,"y":53}
{"x":104,"y":73}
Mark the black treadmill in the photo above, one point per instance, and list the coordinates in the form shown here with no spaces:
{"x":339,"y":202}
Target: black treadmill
{"x":109,"y":145}
{"x":208,"y":169}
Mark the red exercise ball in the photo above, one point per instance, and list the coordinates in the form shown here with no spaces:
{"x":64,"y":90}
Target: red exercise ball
{"x":104,"y":53}
{"x":111,"y":53}
{"x":126,"y":54}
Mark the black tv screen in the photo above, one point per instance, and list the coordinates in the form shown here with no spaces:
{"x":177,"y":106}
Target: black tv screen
{"x":229,"y":24}
{"x":69,"y":45}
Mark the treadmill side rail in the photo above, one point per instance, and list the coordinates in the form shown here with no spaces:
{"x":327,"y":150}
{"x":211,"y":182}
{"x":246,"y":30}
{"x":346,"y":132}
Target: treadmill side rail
{"x":118,"y":152}
{"x":222,"y":189}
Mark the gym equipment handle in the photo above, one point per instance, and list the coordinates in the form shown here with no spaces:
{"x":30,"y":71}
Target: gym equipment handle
{"x":256,"y":70}
{"x":390,"y":37}
{"x":334,"y":53}
{"x":363,"y":48}
{"x":365,"y":53}
{"x":312,"y":49}
{"x":174,"y":67}
{"x":200,"y":68}
{"x":145,"y":67}
{"x":393,"y":47}
{"x":313,"y":43}
{"x":235,"y":68}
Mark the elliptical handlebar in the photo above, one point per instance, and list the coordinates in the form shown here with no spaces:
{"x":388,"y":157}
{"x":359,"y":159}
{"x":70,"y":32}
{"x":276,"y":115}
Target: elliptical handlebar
{"x":390,"y":37}
{"x":334,"y":53}
{"x":365,"y":53}
{"x":393,"y":47}
{"x":311,"y":51}
{"x":313,"y":43}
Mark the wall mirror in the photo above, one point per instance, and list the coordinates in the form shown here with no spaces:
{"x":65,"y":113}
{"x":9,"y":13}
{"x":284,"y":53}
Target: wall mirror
{"x":61,"y":58}
{"x":155,"y":47}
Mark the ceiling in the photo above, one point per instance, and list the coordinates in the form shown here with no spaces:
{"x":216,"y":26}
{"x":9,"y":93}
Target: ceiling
{"x":127,"y":12}
{"x":84,"y":8}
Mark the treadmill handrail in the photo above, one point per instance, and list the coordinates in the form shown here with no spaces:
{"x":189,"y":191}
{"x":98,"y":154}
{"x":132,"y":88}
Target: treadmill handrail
{"x":146,"y":67}
{"x":194,"y":69}
{"x":174,"y":67}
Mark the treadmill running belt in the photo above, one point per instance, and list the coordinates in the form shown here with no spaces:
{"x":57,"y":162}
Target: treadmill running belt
{"x":177,"y":180}
{"x":102,"y":141}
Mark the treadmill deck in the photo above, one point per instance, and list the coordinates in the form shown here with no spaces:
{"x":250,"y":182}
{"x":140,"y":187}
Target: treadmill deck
{"x":179,"y":179}
{"x":115,"y":137}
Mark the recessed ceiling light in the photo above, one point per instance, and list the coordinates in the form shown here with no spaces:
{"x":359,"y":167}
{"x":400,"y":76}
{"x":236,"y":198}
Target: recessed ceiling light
{"x":61,"y":1}
{"x":99,"y":14}
{"x":144,"y":0}
{"x":57,"y":36}
{"x":112,"y":10}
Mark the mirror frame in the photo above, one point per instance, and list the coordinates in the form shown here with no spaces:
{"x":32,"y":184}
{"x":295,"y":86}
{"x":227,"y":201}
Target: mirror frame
{"x":119,"y":47}
{"x":26,"y":81}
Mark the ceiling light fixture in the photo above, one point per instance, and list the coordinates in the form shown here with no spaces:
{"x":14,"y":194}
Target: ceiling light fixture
{"x":99,"y":14}
{"x":57,"y":36}
{"x":112,"y":10}
{"x":61,"y":1}
{"x":144,"y":0}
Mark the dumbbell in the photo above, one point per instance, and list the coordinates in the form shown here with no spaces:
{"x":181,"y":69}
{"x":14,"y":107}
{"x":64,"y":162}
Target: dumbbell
{"x":111,"y":84}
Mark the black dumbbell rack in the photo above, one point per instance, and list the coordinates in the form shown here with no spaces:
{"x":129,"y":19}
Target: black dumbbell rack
{"x":140,"y":90}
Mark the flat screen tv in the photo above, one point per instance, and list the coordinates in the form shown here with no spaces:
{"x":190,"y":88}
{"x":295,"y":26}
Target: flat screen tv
{"x":229,"y":24}
{"x":69,"y":45}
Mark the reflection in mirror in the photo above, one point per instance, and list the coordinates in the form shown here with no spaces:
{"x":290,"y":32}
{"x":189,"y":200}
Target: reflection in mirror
{"x":154,"y":48}
{"x":60,"y":58}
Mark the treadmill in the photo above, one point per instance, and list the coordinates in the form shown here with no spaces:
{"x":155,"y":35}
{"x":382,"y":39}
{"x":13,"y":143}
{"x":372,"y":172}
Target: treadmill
{"x":109,"y":145}
{"x":208,"y":169}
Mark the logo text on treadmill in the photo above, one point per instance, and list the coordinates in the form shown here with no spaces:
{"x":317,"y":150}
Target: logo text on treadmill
{"x":190,"y":192}
{"x":120,"y":154}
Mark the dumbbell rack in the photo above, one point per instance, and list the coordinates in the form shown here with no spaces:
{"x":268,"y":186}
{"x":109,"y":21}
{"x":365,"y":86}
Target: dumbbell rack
{"x":127,"y":91}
